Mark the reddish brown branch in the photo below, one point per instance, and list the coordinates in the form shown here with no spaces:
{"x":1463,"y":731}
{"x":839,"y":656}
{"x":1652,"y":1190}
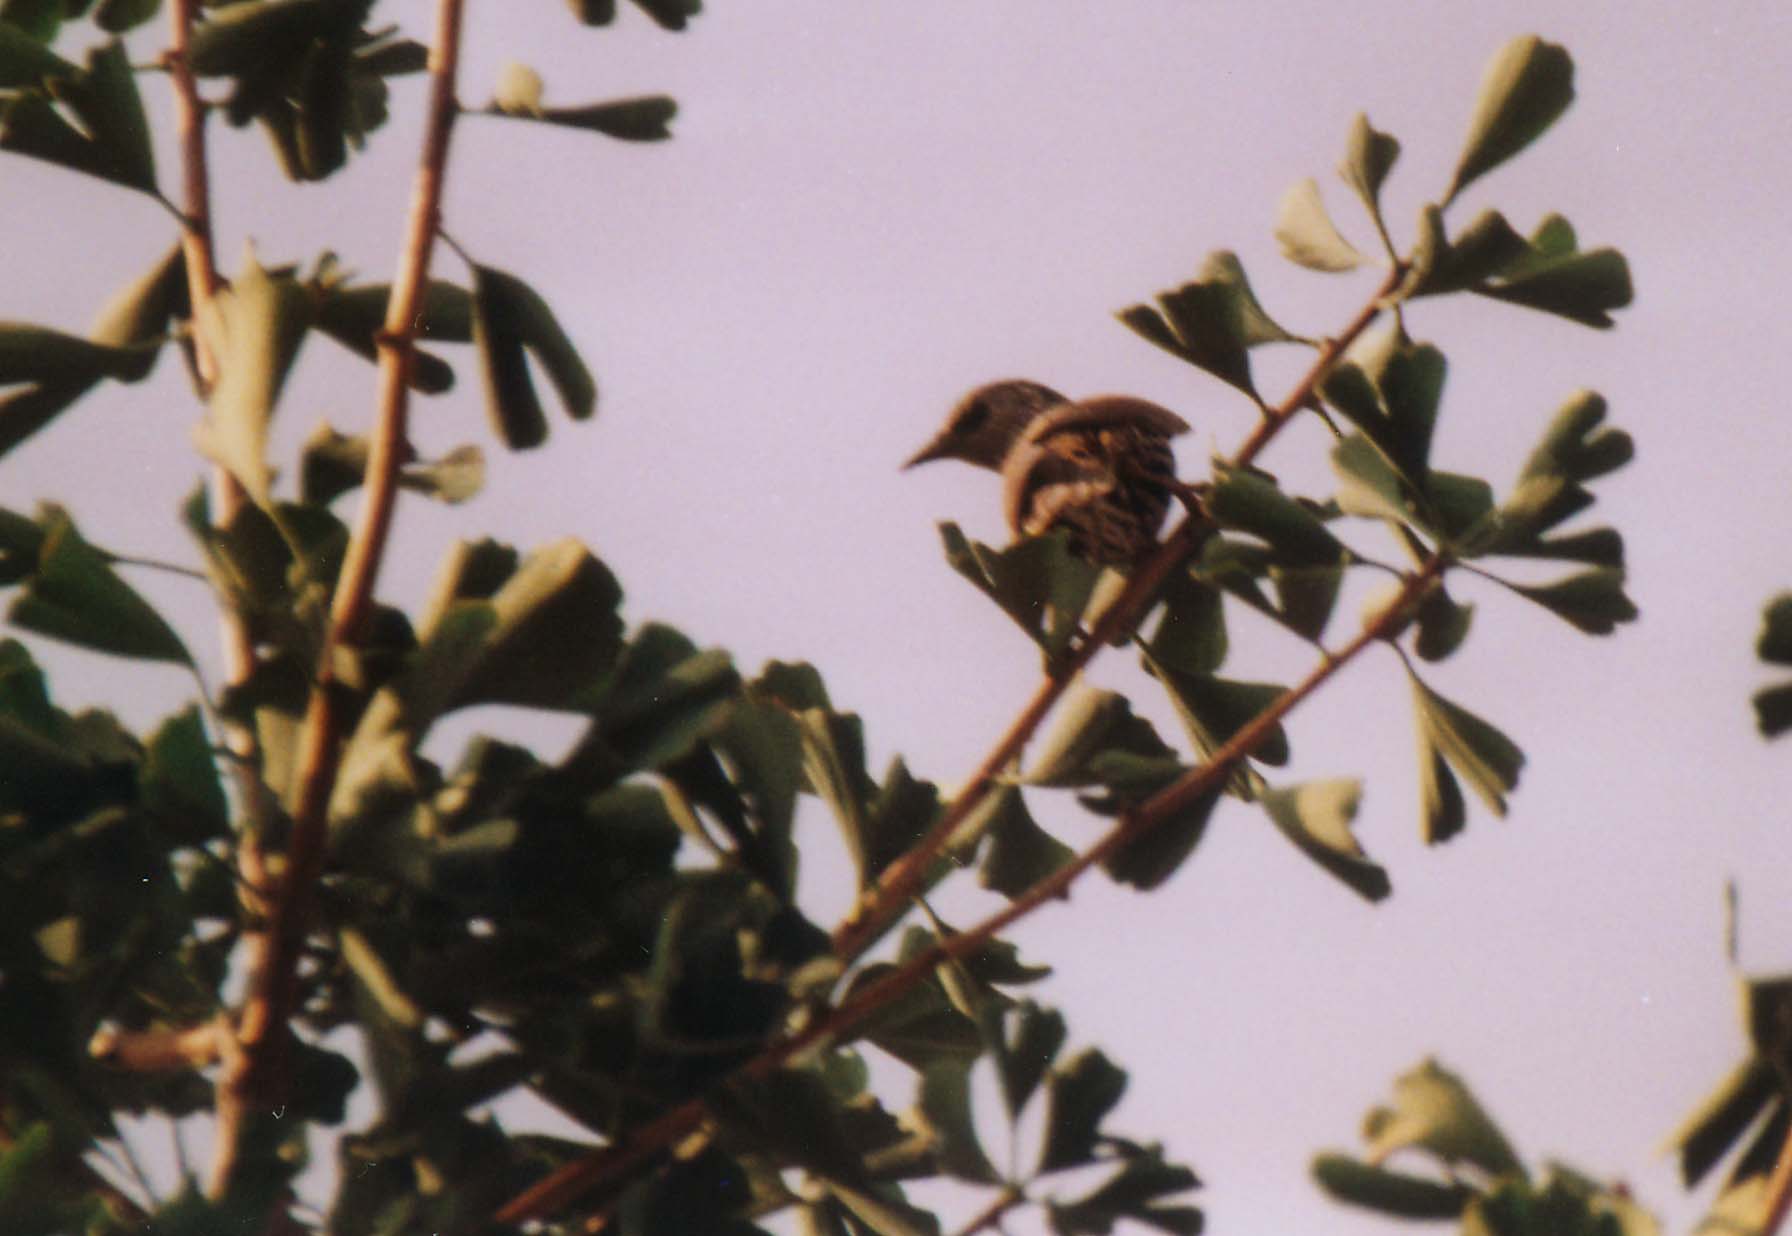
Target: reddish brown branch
{"x":902,"y":879}
{"x":273,"y":977}
{"x":1779,"y":1191}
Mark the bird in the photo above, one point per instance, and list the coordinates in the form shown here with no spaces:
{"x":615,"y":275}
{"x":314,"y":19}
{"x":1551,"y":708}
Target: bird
{"x":1100,"y":468}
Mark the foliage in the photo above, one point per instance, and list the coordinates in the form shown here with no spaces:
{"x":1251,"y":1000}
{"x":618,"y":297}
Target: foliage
{"x":616,"y":932}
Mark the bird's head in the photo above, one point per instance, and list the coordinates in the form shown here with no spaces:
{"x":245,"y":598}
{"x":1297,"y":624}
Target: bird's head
{"x":987,"y":422}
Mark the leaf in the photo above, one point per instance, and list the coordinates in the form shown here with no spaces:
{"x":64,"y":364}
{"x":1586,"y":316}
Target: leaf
{"x":141,"y":312}
{"x":1317,"y":816}
{"x":178,"y":780}
{"x":1582,"y":287}
{"x":31,"y":353}
{"x":112,"y":139}
{"x":118,"y":16}
{"x":255,"y":328}
{"x":1089,"y":723}
{"x":1480,"y":252}
{"x":1434,"y":1111}
{"x":1250,"y":502}
{"x":1153,"y":856}
{"x":355,"y":316}
{"x":509,"y":320}
{"x":669,"y":14}
{"x":1723,"y":1118}
{"x":1214,"y":709}
{"x":1079,"y":1095}
{"x":1367,"y":483}
{"x":1028,"y":1039}
{"x":1307,"y":235}
{"x":1037,"y":581}
{"x":74,"y":595}
{"x":1191,"y":633}
{"x":1443,"y":624}
{"x":945,"y":1108}
{"x":1019,"y":853}
{"x":1369,"y":157}
{"x":1526,"y":87}
{"x":644,"y":119}
{"x":1134,"y":1192}
{"x":1356,"y":1183}
{"x":1592,"y":601}
{"x":1774,"y":644}
{"x":1477,"y":750}
{"x":1211,"y":323}
{"x":27,"y":61}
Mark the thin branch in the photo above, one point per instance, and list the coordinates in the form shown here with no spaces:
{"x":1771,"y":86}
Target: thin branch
{"x":1779,"y":1190}
{"x":991,"y":1214}
{"x":273,"y":972}
{"x":903,"y":878}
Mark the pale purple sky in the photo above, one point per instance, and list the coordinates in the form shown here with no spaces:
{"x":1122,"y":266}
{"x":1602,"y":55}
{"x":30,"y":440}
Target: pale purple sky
{"x":869,"y":208}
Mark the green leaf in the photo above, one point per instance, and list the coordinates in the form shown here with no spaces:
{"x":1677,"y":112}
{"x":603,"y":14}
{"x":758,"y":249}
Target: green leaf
{"x":1153,"y":856}
{"x":1368,"y":158}
{"x":1526,"y":87}
{"x":669,"y":14}
{"x":112,"y":139}
{"x":1308,"y":236}
{"x":331,"y":464}
{"x":900,"y":815}
{"x":1191,"y":634}
{"x":1089,"y":723}
{"x":1079,"y":1095}
{"x":1037,"y":581}
{"x":1367,"y":483}
{"x":1593,"y":601}
{"x":1019,"y":853}
{"x":945,"y":1106}
{"x":1774,"y":644}
{"x":644,"y":119}
{"x":1477,"y":750}
{"x":1480,"y":252}
{"x":1356,"y":1183}
{"x":178,"y":780}
{"x":255,"y":328}
{"x":28,"y":61}
{"x":1434,"y":1111}
{"x":1214,"y":709}
{"x":354,"y":318}
{"x":1773,"y":710}
{"x":509,"y":320}
{"x":919,"y":1027}
{"x":141,"y":312}
{"x":1134,"y":1192}
{"x":1307,"y":596}
{"x":1317,"y":816}
{"x":1583,"y":287}
{"x":74,"y":595}
{"x":1211,"y":323}
{"x":1443,"y":624}
{"x":1250,"y":502}
{"x":117,"y":16}
{"x":249,"y":37}
{"x":38,"y":354}
{"x":1028,"y":1040}
{"x":26,"y":411}
{"x":1723,"y":1118}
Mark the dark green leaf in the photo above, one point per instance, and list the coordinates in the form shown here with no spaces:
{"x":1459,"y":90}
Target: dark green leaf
{"x":1079,"y":1095}
{"x":1775,"y":641}
{"x":1442,"y":623}
{"x":1480,"y":252}
{"x":1356,"y":1183}
{"x":1367,"y":483}
{"x":112,"y":140}
{"x":1154,"y":855}
{"x":1527,"y":86}
{"x":1089,"y":723}
{"x":179,"y":780}
{"x":28,"y":61}
{"x":117,"y":16}
{"x":1307,"y":234}
{"x":1582,"y":287}
{"x":38,"y":354}
{"x":141,"y":311}
{"x":1317,"y":818}
{"x":354,"y":317}
{"x":25,"y":411}
{"x":1593,"y":601}
{"x":1773,"y":710}
{"x":1214,"y":709}
{"x":1191,"y":634}
{"x":646,"y":119}
{"x":510,"y":319}
{"x":74,"y":595}
{"x":1307,"y":596}
{"x":1020,"y":853}
{"x":899,"y":816}
{"x":1029,"y":1039}
{"x":1134,"y":1192}
{"x":945,"y":1104}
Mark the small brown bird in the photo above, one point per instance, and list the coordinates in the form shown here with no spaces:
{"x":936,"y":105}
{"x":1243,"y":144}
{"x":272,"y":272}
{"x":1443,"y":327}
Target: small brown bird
{"x":1100,"y":468}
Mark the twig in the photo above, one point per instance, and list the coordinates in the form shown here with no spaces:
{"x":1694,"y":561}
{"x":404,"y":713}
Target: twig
{"x":1779,"y":1190}
{"x":273,"y":975}
{"x":991,"y":1214}
{"x":904,"y":877}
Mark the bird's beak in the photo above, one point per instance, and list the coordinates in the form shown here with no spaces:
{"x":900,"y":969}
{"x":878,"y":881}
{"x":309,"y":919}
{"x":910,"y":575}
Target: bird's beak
{"x":936,"y":449}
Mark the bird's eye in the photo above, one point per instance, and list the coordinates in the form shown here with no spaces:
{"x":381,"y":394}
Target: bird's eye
{"x":971,"y":419}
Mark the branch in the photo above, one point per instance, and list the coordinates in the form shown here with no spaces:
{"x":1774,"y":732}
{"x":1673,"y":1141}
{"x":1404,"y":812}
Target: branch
{"x":1779,"y":1191}
{"x":899,"y":882}
{"x":560,"y":1188}
{"x":273,"y":971}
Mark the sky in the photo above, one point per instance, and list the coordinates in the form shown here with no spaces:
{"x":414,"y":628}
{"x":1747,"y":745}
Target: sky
{"x":868,"y":209}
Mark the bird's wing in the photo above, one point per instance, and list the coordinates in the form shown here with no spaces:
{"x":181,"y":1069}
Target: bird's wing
{"x":1104,"y":410}
{"x":1039,"y":483}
